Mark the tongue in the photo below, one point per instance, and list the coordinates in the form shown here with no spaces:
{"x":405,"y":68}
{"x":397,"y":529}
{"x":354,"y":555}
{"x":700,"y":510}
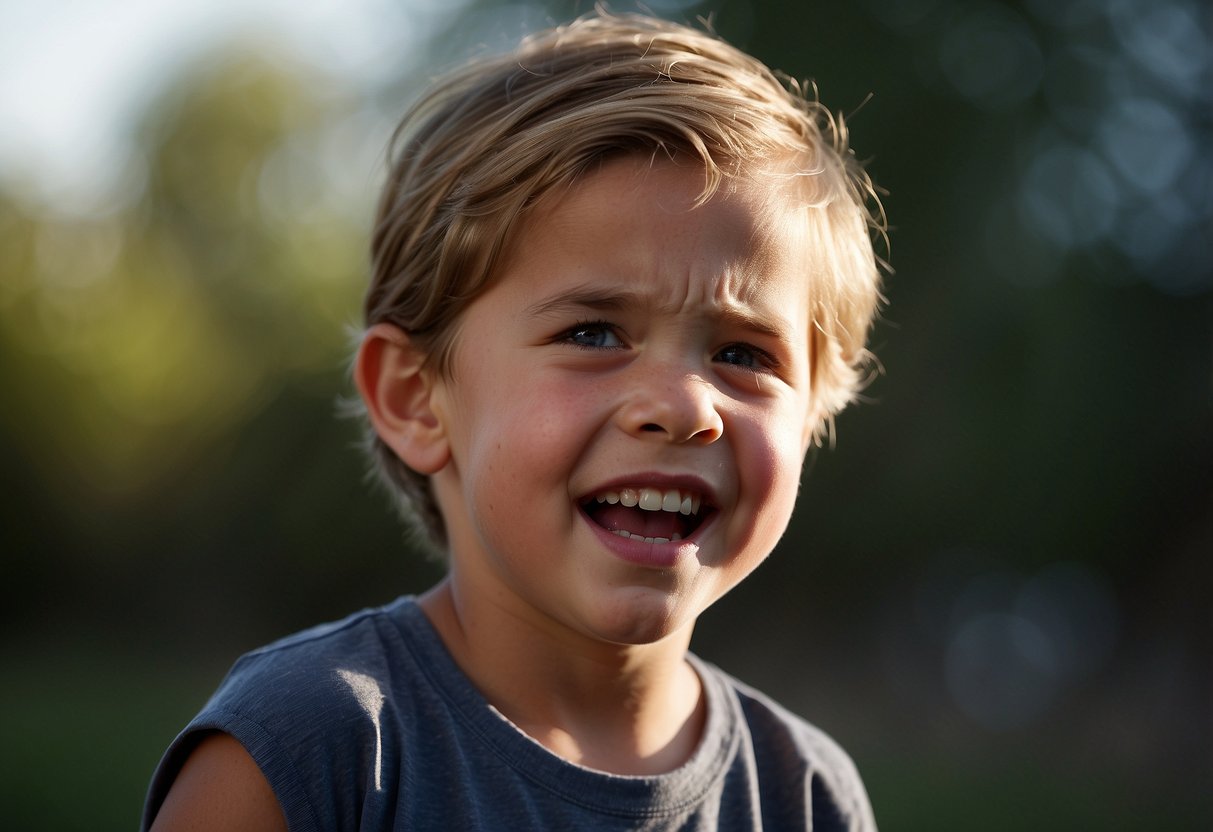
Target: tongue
{"x":638,"y":521}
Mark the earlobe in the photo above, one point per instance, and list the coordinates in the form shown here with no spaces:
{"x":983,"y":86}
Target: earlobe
{"x":397,"y":389}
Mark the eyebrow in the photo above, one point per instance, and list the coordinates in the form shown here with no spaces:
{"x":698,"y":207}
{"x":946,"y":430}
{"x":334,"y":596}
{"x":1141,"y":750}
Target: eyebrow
{"x":581,"y":298}
{"x":585,"y":297}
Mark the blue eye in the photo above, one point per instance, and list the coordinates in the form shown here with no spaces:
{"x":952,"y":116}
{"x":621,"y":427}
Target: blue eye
{"x":744,"y":355}
{"x":593,"y":335}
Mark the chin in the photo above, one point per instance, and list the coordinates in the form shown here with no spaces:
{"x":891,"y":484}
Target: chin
{"x":644,"y":617}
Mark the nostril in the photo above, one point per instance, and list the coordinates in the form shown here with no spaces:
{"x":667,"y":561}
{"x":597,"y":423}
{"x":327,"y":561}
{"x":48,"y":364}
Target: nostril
{"x":652,"y":428}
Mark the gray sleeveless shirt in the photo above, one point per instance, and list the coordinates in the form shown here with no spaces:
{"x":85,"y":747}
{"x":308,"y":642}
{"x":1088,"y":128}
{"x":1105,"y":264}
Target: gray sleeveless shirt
{"x":367,"y":723}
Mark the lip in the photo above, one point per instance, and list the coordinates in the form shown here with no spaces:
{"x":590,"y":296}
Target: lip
{"x":653,"y":555}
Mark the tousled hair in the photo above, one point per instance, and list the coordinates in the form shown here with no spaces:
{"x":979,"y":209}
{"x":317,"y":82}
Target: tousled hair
{"x":488,"y":141}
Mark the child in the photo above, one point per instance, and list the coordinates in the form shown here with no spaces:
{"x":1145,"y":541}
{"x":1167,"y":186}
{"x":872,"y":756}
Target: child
{"x":622,"y":280}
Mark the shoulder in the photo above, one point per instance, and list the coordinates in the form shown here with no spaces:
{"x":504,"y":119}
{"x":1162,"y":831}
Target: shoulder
{"x":782,"y":730}
{"x":362,"y":636}
{"x":279,"y":690}
{"x":303,"y":710}
{"x":220,"y":788}
{"x":788,"y":749}
{"x":317,"y":686}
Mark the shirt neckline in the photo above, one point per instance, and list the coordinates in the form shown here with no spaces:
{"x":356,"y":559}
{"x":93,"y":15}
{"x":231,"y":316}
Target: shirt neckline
{"x":627,"y":795}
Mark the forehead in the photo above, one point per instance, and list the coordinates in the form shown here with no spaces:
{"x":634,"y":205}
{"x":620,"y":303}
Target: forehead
{"x":643,"y":222}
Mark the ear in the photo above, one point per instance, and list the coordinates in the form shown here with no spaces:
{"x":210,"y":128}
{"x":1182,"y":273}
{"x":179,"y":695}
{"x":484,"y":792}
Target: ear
{"x":398,"y":389}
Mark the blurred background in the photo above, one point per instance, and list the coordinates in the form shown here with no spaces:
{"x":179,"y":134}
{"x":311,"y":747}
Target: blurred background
{"x":996,"y":593}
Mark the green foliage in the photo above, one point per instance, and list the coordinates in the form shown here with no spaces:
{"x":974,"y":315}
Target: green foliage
{"x":153,"y":331}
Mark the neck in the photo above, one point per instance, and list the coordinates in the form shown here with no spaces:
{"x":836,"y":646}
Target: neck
{"x":620,"y":708}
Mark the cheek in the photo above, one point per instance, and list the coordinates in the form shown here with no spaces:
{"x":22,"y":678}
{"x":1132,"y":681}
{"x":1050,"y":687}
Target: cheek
{"x":770,"y":470}
{"x":520,"y":447}
{"x":538,"y":425}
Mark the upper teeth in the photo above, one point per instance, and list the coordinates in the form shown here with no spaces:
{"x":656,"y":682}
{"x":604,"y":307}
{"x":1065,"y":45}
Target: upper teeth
{"x":653,"y":499}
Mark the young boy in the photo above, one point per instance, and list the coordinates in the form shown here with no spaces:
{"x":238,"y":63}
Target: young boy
{"x":622,"y":280}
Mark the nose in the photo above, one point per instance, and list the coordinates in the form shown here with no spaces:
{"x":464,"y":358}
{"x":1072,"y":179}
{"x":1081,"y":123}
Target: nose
{"x":672,"y":406}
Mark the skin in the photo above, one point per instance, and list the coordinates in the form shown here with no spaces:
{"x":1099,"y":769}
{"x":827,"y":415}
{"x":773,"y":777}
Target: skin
{"x":220,"y":789}
{"x":632,"y":340}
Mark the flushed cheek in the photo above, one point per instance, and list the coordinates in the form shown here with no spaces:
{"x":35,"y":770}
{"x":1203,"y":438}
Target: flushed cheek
{"x":770,"y":477}
{"x":522,"y":452}
{"x":550,"y":421}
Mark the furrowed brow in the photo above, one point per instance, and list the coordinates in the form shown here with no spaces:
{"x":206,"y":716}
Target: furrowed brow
{"x":580,"y":299}
{"x":742,"y":318}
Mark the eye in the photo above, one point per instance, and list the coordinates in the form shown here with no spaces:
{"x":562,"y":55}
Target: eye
{"x":747,"y":356}
{"x":593,"y":335}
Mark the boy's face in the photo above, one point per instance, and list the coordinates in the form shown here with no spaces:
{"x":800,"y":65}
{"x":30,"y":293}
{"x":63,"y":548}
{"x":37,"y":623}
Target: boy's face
{"x":634,"y":348}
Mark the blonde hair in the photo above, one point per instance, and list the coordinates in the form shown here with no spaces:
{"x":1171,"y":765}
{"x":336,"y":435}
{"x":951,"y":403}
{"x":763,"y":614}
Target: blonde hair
{"x":488,"y":141}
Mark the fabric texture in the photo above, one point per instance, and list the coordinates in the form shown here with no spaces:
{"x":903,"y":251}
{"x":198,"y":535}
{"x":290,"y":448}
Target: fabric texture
{"x":367,"y":723}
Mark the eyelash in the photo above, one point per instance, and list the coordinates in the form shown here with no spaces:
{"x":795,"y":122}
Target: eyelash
{"x":764,"y":361}
{"x":570,"y":334}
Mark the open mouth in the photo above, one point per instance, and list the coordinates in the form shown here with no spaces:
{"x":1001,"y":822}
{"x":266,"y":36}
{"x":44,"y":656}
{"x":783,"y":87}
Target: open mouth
{"x":651,"y":515}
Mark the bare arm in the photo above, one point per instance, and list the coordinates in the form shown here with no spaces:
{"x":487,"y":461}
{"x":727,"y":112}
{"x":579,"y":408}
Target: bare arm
{"x":219,"y":788}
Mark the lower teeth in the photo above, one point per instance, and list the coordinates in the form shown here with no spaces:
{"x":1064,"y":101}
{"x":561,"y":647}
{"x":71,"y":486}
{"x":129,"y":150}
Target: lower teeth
{"x":630,"y":536}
